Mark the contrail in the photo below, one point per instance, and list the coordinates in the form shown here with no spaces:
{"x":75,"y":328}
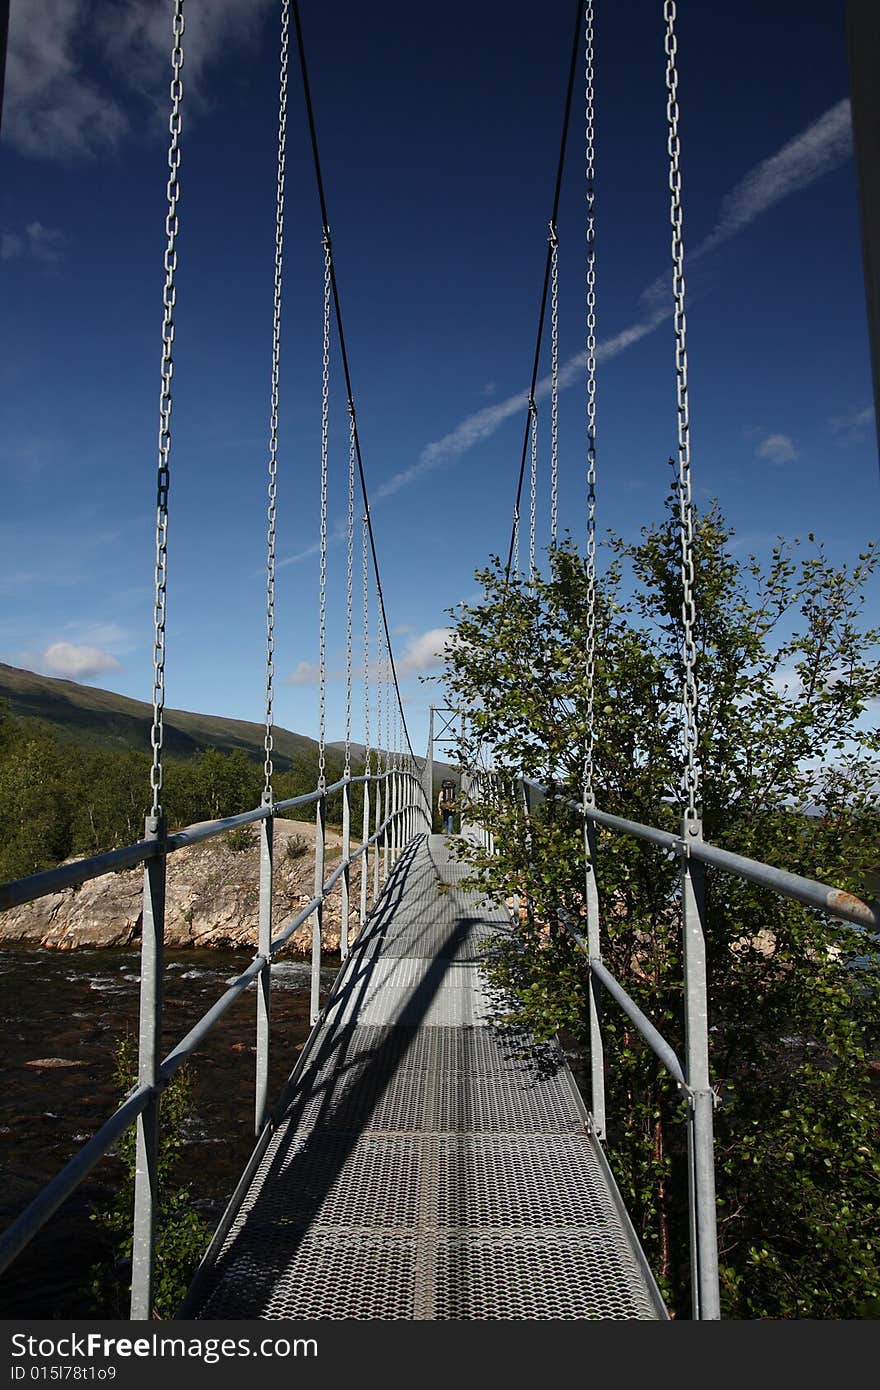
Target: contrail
{"x":818,"y":149}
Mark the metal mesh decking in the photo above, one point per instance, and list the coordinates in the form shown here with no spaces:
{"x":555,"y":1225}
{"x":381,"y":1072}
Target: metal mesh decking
{"x":428,"y":1164}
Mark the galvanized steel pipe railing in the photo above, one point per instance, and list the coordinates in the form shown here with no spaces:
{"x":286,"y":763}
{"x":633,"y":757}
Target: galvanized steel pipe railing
{"x":694,"y":854}
{"x":141,"y":1106}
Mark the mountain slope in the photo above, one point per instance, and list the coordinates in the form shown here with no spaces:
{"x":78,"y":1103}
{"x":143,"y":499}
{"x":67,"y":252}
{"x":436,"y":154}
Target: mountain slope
{"x":95,"y":717}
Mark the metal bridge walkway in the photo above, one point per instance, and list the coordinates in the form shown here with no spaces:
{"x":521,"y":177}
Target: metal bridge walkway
{"x":427,"y":1164}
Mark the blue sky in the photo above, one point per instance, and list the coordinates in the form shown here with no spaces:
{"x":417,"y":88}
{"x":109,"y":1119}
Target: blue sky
{"x":439,"y":131}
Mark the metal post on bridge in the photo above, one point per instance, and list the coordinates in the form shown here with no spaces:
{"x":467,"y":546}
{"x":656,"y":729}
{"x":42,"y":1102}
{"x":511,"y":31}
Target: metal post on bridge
{"x":429,"y":770}
{"x":346,"y":872}
{"x":463,"y":779}
{"x":377,"y":854}
{"x":264,"y":983}
{"x":392,"y":827}
{"x":396,"y":823}
{"x":146,"y":1181}
{"x":318,"y":915}
{"x":701,"y":1159}
{"x":365,"y":857}
{"x":594,"y":944}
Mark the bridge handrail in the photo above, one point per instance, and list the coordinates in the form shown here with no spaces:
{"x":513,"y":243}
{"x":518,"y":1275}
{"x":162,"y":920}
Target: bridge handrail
{"x":390,"y":832}
{"x":835,"y":901}
{"x":694,"y":853}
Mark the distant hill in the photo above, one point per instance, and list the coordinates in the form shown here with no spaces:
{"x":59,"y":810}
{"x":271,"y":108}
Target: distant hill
{"x":101,"y":718}
{"x":441,"y":769}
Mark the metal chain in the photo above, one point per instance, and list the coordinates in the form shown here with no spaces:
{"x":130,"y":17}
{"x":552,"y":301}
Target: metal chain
{"x":273,"y":412}
{"x":392,"y":727}
{"x":388,"y":760}
{"x":590,"y":654}
{"x":554,"y":383}
{"x":380,"y":676}
{"x":367,"y":753}
{"x":533,"y":496}
{"x":163,"y":472}
{"x":349,"y":604}
{"x":691,"y":775}
{"x":325,"y":434}
{"x":516,"y":541}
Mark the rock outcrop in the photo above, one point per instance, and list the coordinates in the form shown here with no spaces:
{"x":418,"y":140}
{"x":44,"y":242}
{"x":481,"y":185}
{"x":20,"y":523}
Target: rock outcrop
{"x":212,"y":899}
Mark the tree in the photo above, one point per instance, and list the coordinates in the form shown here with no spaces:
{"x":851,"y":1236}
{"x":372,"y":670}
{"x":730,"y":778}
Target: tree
{"x":113,"y":799}
{"x":786,"y":668}
{"x":38,"y":790}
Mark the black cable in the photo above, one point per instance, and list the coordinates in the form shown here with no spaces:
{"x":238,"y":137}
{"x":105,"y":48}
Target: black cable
{"x":344,"y":354}
{"x":547,"y":268}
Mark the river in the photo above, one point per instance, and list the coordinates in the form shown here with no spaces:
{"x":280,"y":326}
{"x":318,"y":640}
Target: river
{"x":70,"y":1009}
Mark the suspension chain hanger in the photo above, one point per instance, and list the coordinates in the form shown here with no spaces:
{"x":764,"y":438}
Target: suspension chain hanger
{"x":554,"y":382}
{"x":548,"y":270}
{"x":273,"y":410}
{"x":590,"y":653}
{"x":349,"y":589}
{"x":691,"y":774}
{"x":334,"y":288}
{"x":325,"y":445}
{"x":163,"y":472}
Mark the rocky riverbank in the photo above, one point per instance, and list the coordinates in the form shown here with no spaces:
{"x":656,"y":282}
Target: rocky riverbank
{"x":212,"y":899}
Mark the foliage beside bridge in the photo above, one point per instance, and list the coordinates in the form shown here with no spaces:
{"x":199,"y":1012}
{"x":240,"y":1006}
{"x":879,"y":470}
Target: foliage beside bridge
{"x":58,"y":801}
{"x":786,"y":670}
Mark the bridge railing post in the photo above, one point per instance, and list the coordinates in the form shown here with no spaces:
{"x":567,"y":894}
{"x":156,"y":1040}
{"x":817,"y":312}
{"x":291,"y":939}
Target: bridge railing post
{"x":365,"y":857}
{"x":392,"y":827}
{"x":318,"y":915}
{"x":346,"y":872}
{"x":516,"y":902}
{"x":408,"y":803}
{"x":264,"y":983}
{"x":428,"y":774}
{"x":594,"y":943}
{"x":386,"y":834}
{"x":146,"y":1181}
{"x":377,"y":854}
{"x":527,"y":807}
{"x":705,"y":1295}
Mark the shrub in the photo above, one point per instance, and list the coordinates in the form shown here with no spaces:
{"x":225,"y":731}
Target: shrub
{"x":182,"y":1234}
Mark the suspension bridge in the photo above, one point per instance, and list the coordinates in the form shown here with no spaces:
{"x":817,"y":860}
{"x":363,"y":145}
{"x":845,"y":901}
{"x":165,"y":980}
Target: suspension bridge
{"x":423,"y":1160}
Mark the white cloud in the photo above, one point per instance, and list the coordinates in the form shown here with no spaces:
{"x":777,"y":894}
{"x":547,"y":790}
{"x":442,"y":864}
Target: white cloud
{"x":424,"y":652}
{"x":71,"y":660}
{"x":853,"y":423}
{"x":786,"y":681}
{"x":45,"y":245}
{"x":73,"y":67}
{"x":306,"y":673}
{"x":51,"y":107}
{"x":776,"y":448}
{"x":11,"y":246}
